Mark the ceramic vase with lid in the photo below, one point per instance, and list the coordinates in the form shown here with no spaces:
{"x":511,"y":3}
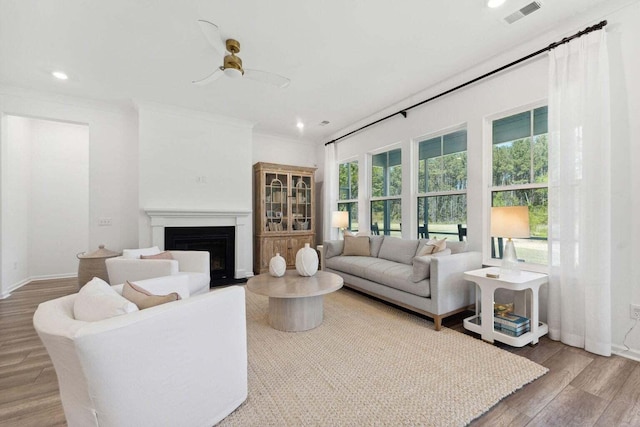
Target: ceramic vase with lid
{"x":307,"y":261}
{"x":277,"y":266}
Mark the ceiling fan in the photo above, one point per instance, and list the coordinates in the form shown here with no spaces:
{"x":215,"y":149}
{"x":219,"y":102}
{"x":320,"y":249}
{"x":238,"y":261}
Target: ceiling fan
{"x":232,"y":64}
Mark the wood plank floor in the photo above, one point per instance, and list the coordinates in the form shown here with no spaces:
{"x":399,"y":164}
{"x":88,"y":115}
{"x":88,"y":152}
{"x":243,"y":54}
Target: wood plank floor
{"x":581,"y":389}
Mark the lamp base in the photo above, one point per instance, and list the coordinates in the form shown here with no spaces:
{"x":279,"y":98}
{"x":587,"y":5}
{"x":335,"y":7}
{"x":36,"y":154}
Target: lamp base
{"x":509,"y":259}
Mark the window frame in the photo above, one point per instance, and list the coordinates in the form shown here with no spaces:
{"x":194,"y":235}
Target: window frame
{"x":386,"y":199}
{"x":491,"y":188}
{"x":350,"y":202}
{"x":426,"y":194}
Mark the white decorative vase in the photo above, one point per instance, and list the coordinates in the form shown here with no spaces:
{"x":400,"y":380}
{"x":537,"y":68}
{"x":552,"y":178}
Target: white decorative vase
{"x":307,"y":261}
{"x":277,"y":266}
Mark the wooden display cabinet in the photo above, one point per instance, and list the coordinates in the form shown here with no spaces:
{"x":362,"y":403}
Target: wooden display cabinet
{"x":284,"y":212}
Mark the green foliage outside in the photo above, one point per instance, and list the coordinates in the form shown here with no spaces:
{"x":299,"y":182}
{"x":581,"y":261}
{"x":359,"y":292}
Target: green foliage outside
{"x":522,"y":161}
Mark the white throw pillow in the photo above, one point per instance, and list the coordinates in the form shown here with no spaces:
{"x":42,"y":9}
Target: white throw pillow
{"x":98,"y":301}
{"x":135,"y":253}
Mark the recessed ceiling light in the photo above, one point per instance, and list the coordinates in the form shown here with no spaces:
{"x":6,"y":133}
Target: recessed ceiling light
{"x":495,"y":3}
{"x":60,"y":75}
{"x":300,"y":125}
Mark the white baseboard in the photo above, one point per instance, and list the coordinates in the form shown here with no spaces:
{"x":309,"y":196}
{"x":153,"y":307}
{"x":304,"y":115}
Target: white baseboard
{"x":7,"y":292}
{"x":632,"y":353}
{"x":53,"y":276}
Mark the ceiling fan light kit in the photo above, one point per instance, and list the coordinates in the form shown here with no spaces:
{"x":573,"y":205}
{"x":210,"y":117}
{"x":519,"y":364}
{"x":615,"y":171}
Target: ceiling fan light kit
{"x":232,"y":64}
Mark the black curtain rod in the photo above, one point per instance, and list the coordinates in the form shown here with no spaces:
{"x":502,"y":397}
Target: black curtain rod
{"x":403,"y":112}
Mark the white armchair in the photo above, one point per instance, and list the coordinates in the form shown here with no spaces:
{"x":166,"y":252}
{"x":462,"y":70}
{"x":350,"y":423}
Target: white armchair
{"x":180,"y":363}
{"x":196,"y":264}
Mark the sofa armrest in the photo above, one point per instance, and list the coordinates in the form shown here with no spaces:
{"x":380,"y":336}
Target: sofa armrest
{"x":192,"y":261}
{"x":122,"y":269}
{"x":449,"y":290}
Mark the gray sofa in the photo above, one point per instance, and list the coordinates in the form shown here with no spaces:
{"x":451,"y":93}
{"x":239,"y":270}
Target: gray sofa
{"x":431,"y":285}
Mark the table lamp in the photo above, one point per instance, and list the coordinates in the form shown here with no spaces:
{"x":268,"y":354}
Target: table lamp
{"x":340,"y":220}
{"x":510,"y":222}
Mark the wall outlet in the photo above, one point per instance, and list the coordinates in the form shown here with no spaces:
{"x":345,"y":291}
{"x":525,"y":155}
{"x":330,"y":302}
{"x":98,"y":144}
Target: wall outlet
{"x":105,"y":222}
{"x":634,"y":311}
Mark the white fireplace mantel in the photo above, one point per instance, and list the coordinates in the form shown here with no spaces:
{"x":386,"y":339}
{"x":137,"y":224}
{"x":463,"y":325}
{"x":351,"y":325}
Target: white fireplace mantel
{"x":178,"y":217}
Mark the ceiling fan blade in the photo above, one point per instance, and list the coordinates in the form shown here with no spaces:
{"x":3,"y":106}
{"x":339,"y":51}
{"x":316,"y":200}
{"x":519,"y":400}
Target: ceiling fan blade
{"x":266,"y":77}
{"x":212,"y":34}
{"x":211,"y":77}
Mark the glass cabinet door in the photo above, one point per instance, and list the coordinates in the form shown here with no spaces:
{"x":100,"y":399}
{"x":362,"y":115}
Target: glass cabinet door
{"x":301,"y":214}
{"x":276,"y":197}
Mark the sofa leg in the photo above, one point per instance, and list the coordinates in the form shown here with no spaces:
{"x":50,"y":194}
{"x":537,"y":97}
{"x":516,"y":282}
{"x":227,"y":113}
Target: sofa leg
{"x":438,"y":321}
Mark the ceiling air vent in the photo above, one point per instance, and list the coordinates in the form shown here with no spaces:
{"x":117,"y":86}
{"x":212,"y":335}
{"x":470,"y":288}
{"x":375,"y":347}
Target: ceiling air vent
{"x":526,"y":10}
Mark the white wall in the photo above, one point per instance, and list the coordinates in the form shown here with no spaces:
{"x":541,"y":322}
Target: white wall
{"x":16,"y":181}
{"x":113,"y":165}
{"x":46,"y":199}
{"x":192,"y":160}
{"x":59,"y":197}
{"x":276,"y":149}
{"x":521,"y":87}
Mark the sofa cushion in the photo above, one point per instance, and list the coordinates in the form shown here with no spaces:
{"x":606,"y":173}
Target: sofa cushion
{"x":374,"y":245}
{"x":457,"y":247}
{"x":389,"y":273}
{"x":98,"y":301}
{"x":354,"y":265}
{"x":145,"y":299}
{"x":356,"y":246}
{"x":422,"y":265}
{"x":399,"y":250}
{"x":333,"y":248}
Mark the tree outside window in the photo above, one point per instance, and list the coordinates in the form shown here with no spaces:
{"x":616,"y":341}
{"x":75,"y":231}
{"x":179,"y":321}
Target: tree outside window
{"x":519,"y":177}
{"x":442,"y":185}
{"x":348,"y":192}
{"x":386,"y":189}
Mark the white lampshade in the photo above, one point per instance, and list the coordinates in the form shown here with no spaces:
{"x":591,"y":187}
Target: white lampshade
{"x":340,"y":219}
{"x":510,"y":222}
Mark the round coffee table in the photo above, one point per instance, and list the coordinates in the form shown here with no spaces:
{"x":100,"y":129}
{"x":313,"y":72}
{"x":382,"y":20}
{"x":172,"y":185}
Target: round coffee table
{"x":295,"y":302}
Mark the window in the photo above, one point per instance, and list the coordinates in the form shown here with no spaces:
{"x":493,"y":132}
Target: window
{"x":519,"y":178}
{"x":386,"y":189}
{"x":348,"y":197}
{"x":442,"y":185}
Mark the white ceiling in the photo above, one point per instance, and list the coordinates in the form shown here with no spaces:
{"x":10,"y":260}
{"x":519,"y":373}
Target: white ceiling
{"x":346,"y":59}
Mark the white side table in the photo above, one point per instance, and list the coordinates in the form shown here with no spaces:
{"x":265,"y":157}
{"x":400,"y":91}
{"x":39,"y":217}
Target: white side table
{"x":482,"y":322}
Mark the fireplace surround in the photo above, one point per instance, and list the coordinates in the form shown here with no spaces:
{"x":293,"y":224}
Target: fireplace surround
{"x":239,"y":220}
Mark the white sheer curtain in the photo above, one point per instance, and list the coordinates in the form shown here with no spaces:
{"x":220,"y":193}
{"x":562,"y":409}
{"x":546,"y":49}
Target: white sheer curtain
{"x":580,"y":194}
{"x":330,"y":193}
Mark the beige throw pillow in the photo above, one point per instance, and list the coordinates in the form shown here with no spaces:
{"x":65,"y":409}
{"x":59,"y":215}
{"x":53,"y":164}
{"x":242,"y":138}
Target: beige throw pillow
{"x":356,"y":246}
{"x":433,"y":246}
{"x":161,"y":255}
{"x":143,"y":298}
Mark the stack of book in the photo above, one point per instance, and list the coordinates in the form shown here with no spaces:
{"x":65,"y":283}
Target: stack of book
{"x":511,"y":324}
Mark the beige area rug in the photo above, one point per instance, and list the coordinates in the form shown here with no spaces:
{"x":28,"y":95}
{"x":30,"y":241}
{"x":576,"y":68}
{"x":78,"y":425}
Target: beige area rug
{"x":371,"y":364}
